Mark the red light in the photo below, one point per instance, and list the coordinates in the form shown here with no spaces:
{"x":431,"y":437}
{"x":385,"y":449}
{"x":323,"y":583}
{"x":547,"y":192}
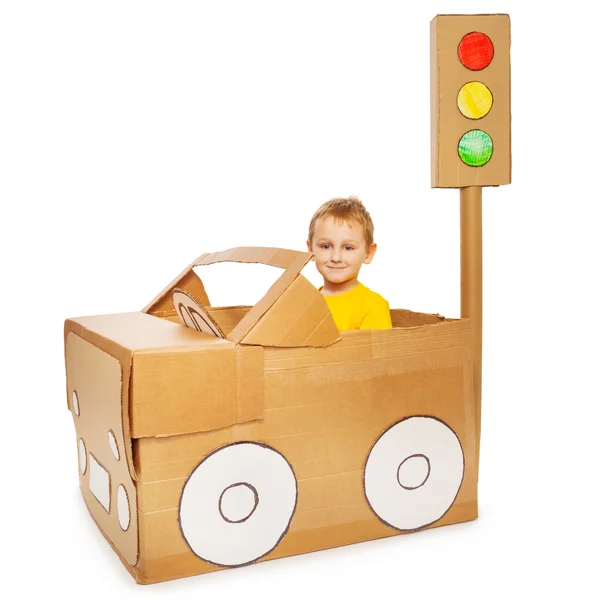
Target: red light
{"x":476,"y":51}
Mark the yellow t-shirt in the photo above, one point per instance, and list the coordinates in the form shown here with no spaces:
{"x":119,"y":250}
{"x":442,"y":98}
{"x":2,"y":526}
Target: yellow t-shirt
{"x":359,"y":308}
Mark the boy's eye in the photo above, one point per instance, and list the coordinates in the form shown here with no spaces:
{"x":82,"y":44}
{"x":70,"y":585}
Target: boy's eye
{"x":348,"y":248}
{"x":325,"y":246}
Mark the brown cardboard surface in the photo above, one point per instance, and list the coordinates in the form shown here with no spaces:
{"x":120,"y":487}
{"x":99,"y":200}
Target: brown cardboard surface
{"x":275,"y":257}
{"x":159,"y":351}
{"x":181,"y":368}
{"x":471,"y":286}
{"x":192,"y":314}
{"x":312,"y":324}
{"x":448,"y":125}
{"x":267,"y":322}
{"x":186,"y":565}
{"x":215,"y":385}
{"x":408,"y":318}
{"x":227,"y":317}
{"x":324,"y":409}
{"x":189,"y":282}
{"x":96,"y":379}
{"x":123,"y":333}
{"x":88,"y":330}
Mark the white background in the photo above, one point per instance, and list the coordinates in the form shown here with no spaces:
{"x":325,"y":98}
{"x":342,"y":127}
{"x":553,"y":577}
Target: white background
{"x":136,"y":135}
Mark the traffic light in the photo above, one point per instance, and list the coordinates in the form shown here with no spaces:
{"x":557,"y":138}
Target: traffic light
{"x":470,"y":100}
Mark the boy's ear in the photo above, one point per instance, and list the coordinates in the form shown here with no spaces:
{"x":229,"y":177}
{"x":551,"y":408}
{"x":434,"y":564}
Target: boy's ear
{"x":370,"y":254}
{"x":309,"y":246}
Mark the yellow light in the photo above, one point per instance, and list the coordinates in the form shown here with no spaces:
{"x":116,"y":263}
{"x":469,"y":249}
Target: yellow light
{"x":474,"y":100}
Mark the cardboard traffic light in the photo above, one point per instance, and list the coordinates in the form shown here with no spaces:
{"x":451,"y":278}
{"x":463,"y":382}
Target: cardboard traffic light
{"x":470,"y":101}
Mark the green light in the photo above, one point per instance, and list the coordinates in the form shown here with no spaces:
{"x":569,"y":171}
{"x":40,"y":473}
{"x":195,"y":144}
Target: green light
{"x":475,"y":148}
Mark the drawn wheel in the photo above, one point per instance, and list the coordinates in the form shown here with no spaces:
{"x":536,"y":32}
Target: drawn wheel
{"x":237,"y":504}
{"x":413,"y":473}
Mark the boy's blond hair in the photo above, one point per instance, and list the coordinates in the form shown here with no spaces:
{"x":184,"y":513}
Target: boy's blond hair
{"x":344,"y":210}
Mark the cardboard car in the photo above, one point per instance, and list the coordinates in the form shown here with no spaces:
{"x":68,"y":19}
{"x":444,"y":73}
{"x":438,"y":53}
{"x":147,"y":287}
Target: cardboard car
{"x":215,"y":437}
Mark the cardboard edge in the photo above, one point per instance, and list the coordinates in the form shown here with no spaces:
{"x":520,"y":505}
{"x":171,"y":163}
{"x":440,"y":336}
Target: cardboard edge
{"x":151,"y":307}
{"x":245,"y":413}
{"x":472,"y":15}
{"x":274,"y":257}
{"x":509,"y":99}
{"x":88,"y":493}
{"x":261,"y":308}
{"x":125,"y":358}
{"x":131,"y":569}
{"x":210,"y":322}
{"x":320,"y":329}
{"x":433,"y":92}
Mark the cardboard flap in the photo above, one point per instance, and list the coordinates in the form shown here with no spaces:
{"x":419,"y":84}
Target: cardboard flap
{"x":291,"y":314}
{"x":291,"y":295}
{"x":274,"y":257}
{"x":189,"y":282}
{"x":203,"y":388}
{"x":174,"y":380}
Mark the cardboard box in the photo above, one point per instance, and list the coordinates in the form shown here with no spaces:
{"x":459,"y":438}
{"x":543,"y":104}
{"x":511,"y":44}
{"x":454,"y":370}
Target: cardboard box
{"x":273,"y":434}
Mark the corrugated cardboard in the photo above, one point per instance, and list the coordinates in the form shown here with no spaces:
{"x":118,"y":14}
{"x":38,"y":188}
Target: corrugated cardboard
{"x":264,"y":324}
{"x":448,"y":124}
{"x":97,"y":398}
{"x":283,"y":437}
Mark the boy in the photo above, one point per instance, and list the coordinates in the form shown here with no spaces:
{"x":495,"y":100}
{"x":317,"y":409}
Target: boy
{"x":341,"y":237}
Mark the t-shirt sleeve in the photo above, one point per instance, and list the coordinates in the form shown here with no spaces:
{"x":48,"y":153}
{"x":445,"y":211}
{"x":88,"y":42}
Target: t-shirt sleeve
{"x":378,"y":315}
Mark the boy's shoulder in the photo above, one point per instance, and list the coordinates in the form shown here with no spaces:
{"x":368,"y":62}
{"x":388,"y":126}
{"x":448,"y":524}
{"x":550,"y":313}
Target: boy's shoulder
{"x":373,"y":297}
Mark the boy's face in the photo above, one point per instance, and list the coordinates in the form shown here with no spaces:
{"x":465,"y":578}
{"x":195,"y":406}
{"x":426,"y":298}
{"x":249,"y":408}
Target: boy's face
{"x":340,"y":251}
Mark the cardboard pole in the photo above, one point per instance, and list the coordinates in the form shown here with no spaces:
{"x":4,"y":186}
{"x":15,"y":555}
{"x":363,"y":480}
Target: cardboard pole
{"x":470,"y":283}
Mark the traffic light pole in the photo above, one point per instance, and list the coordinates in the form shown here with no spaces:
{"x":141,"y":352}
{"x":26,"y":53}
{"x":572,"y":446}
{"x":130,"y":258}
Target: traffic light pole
{"x":471,"y":283}
{"x":470,"y":142}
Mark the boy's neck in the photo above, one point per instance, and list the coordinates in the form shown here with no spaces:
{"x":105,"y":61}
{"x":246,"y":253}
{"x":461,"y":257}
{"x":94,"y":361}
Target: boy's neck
{"x":333,"y":289}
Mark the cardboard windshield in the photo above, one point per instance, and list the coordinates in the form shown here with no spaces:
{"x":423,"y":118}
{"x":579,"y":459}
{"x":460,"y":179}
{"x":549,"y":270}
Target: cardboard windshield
{"x":267,"y":323}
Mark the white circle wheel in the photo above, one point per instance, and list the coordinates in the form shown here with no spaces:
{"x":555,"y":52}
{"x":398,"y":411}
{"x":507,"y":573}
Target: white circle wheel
{"x":112,"y":442}
{"x":237,"y":504}
{"x":413,"y":473}
{"x":123,"y":511}
{"x":82,"y":457}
